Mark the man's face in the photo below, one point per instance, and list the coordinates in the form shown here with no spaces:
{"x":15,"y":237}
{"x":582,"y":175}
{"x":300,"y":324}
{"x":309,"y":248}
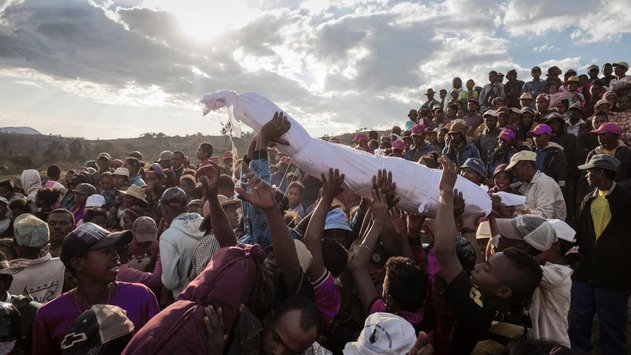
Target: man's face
{"x":456,"y":83}
{"x":201,"y":155}
{"x":520,"y":171}
{"x":525,"y":102}
{"x":502,"y":119}
{"x":456,"y":138}
{"x":542,"y":105}
{"x":491,"y":122}
{"x":511,"y":77}
{"x":413,"y":117}
{"x":619,"y":70}
{"x":607,"y":70}
{"x":541,"y":140}
{"x":176,"y":160}
{"x":593,"y":73}
{"x":103,"y":163}
{"x":120,"y":180}
{"x":60,"y":224}
{"x":100,"y":265}
{"x":556,"y":125}
{"x":473,"y":108}
{"x":492,"y":78}
{"x":430,"y":96}
{"x":107,"y":183}
{"x":470,"y":84}
{"x":232,"y":212}
{"x":594,"y":176}
{"x":573,"y":86}
{"x":440,"y":115}
{"x":607,"y":139}
{"x":442,"y":94}
{"x":489,"y":276}
{"x":285,"y":335}
{"x":419,"y":140}
{"x":536,"y":74}
{"x":471,"y":175}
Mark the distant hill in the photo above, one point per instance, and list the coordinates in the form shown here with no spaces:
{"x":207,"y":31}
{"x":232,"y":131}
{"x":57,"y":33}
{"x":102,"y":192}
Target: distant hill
{"x":19,"y":130}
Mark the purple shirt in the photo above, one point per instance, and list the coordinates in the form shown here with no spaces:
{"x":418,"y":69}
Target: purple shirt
{"x":55,"y":317}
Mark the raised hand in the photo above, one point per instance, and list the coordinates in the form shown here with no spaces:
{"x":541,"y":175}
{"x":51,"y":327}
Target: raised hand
{"x":383,"y":182}
{"x":449,"y":175}
{"x":208,"y":176}
{"x":332,"y":185}
{"x":458,"y":204}
{"x":379,"y":206}
{"x":275,"y":128}
{"x":261,"y":195}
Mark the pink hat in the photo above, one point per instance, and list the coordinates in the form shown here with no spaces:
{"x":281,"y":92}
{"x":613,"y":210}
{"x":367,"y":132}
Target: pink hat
{"x":540,"y":129}
{"x":360,"y":137}
{"x":507,"y":134}
{"x":418,"y":130}
{"x":608,"y":127}
{"x":398,"y":145}
{"x":227,"y":155}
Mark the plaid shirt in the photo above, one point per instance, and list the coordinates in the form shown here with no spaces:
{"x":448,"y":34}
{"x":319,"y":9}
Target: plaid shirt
{"x":544,"y":196}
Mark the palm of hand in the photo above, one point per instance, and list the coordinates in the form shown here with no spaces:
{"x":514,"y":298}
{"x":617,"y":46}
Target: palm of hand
{"x":262,"y":197}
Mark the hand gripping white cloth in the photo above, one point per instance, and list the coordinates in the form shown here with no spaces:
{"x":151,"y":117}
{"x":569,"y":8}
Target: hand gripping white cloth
{"x":417,"y":185}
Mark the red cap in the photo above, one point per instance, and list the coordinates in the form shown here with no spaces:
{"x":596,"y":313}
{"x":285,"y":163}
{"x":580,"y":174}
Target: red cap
{"x":540,"y":129}
{"x":507,"y":134}
{"x":360,"y":137}
{"x":398,"y":145}
{"x":418,"y":130}
{"x":608,"y":127}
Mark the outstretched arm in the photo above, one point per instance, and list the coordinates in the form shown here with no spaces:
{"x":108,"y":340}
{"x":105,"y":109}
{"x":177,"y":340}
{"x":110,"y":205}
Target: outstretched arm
{"x":262,"y":196}
{"x":446,"y":233}
{"x":208,"y":175}
{"x":359,"y":267}
{"x":331,"y":187}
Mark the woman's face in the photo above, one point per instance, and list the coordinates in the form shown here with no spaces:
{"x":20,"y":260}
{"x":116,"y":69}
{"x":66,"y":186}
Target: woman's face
{"x":502,"y":181}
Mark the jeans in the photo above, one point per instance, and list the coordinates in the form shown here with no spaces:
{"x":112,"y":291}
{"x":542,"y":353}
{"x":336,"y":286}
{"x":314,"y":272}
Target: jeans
{"x":611,"y":307}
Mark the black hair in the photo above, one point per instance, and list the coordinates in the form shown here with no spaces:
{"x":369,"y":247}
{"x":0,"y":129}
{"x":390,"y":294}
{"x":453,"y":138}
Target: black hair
{"x":8,"y":184}
{"x":48,"y":195}
{"x":335,"y":256}
{"x":207,"y":148}
{"x":225,"y":181}
{"x":91,"y":213}
{"x":524,"y":276}
{"x":492,"y":72}
{"x":373,"y":135}
{"x":309,"y":313}
{"x":53,"y":171}
{"x":406,"y":283}
{"x":63,"y":211}
{"x":297,"y":184}
{"x":21,"y":205}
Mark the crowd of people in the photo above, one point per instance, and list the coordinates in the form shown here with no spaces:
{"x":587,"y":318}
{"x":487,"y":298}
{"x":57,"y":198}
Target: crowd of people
{"x":219,"y":255}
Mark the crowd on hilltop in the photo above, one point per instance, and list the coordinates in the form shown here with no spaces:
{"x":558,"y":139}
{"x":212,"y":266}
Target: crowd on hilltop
{"x":249,"y":254}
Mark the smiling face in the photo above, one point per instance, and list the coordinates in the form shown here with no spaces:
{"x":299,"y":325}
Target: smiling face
{"x":502,"y":181}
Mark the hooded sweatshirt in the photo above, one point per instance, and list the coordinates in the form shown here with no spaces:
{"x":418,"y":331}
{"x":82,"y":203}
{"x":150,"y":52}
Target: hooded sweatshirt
{"x":551,"y":304}
{"x":177,"y":245}
{"x":31,"y":183}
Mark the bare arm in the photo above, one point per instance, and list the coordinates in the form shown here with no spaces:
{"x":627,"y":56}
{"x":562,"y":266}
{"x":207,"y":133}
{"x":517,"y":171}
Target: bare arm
{"x":445,"y":236}
{"x":263,"y":196}
{"x":208,"y":175}
{"x":331,"y":187}
{"x":359,"y":267}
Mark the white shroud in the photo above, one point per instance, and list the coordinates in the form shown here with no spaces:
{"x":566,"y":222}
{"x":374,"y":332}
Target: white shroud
{"x":417,"y":185}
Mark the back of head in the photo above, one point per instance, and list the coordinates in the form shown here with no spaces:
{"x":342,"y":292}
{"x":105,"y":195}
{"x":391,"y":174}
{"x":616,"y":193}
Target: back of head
{"x":53,"y":172}
{"x":524,"y":275}
{"x":309,"y":313}
{"x":406,"y":283}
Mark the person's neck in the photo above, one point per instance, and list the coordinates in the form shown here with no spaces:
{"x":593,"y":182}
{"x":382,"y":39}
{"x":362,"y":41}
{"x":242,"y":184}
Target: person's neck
{"x":28,"y":253}
{"x":90,"y":292}
{"x":605,"y":185}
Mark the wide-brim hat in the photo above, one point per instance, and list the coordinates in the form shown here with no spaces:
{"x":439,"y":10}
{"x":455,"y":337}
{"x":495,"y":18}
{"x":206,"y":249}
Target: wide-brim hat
{"x":136,"y":192}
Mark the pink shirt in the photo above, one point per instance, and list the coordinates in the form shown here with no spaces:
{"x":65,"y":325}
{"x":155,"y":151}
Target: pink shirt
{"x":328,"y":297}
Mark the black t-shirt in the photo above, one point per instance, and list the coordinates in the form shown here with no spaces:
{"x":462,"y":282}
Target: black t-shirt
{"x":472,"y":311}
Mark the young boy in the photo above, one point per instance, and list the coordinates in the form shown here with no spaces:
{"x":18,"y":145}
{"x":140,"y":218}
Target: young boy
{"x":295,"y":190}
{"x":505,"y":281}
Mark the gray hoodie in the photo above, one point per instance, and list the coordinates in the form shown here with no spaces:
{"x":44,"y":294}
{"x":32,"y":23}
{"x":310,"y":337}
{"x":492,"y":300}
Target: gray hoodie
{"x":31,"y":183}
{"x":177,"y":245}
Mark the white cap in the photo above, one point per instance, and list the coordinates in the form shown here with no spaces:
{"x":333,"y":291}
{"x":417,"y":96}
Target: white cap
{"x":95,"y":200}
{"x":383,"y":333}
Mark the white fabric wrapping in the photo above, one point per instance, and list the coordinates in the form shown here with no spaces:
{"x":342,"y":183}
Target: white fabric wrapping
{"x":417,"y":185}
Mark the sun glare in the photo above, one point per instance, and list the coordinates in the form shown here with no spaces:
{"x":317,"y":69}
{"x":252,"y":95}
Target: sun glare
{"x":205,"y":20}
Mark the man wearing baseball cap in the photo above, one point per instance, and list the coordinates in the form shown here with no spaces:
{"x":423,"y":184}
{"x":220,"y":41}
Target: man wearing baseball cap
{"x":178,"y":242}
{"x":412,"y":120}
{"x":165,"y":159}
{"x":503,"y":152}
{"x":473,"y":170}
{"x":609,"y":144}
{"x":602,"y":280}
{"x":551,"y":300}
{"x":622,"y":83}
{"x":420,"y":147}
{"x":543,"y":194}
{"x":42,"y":276}
{"x":90,"y":254}
{"x":551,"y":158}
{"x":458,"y":149}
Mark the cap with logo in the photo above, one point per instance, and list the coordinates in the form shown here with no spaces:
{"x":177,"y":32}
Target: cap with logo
{"x":532,"y":229}
{"x":90,"y":236}
{"x":383,"y":333}
{"x":476,"y":165}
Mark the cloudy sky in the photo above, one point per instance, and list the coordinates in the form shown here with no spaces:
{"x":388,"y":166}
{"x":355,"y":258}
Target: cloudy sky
{"x":118,"y":68}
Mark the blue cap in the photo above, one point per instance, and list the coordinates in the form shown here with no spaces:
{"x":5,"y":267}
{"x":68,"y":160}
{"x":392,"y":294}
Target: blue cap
{"x":336,"y":219}
{"x":476,"y":165}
